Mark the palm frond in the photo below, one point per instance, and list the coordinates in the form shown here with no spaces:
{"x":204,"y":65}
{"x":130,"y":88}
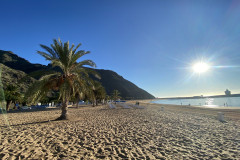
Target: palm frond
{"x":45,"y":55}
{"x":82,"y":53}
{"x":60,"y":42}
{"x":57,"y":62}
{"x":49,"y":76}
{"x":76,"y":48}
{"x":49,"y":50}
{"x":36,"y":92}
{"x":71,"y":49}
{"x":55,"y":50}
{"x":93,"y":72}
{"x":86,"y":62}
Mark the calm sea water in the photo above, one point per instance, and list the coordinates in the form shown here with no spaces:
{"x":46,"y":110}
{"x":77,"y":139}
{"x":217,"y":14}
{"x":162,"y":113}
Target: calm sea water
{"x":208,"y":102}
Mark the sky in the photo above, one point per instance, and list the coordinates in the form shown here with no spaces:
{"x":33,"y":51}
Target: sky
{"x":152,"y":43}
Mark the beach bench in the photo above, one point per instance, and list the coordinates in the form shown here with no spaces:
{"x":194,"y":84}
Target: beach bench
{"x":124,"y":105}
{"x":25,"y":107}
{"x":39,"y":107}
{"x":112,"y":106}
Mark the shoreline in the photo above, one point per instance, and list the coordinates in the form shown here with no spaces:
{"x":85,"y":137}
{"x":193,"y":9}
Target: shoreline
{"x":200,"y":97}
{"x":206,"y":107}
{"x":232,"y":113}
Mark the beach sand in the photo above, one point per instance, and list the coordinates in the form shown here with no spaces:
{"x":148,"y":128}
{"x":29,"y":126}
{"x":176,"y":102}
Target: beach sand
{"x":178,"y":132}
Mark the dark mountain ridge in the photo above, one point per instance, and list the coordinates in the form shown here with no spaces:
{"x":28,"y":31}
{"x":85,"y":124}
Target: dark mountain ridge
{"x":109,"y":79}
{"x":13,"y":61}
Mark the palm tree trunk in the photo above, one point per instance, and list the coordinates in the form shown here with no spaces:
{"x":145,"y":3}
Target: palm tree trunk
{"x":64,"y":115}
{"x":8,"y":105}
{"x":15,"y":106}
{"x":93,"y":102}
{"x":64,"y":110}
{"x":78,"y":100}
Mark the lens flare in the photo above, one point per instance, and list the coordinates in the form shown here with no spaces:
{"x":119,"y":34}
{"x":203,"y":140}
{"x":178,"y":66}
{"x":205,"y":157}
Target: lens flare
{"x":2,"y":100}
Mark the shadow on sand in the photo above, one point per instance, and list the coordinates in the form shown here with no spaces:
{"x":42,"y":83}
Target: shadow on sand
{"x":14,"y":125}
{"x":30,"y":110}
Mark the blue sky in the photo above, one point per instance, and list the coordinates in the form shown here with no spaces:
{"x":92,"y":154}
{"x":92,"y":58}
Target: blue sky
{"x":152,"y":43}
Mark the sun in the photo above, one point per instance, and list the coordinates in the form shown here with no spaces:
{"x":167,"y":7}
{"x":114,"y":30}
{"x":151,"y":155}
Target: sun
{"x":200,"y":67}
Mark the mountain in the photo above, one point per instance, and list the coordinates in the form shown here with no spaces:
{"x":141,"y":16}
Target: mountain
{"x":15,"y":62}
{"x":111,"y":80}
{"x":17,"y":66}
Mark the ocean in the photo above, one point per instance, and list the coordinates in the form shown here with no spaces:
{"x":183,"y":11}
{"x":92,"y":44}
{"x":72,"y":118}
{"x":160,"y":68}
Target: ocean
{"x":207,"y":102}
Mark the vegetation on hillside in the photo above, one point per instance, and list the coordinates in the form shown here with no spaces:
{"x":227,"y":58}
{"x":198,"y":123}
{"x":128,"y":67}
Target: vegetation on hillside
{"x":16,"y":78}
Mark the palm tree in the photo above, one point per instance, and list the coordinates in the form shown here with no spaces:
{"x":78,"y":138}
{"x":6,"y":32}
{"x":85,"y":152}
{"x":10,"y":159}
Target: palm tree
{"x":107,"y":98}
{"x":12,"y":95}
{"x":72,"y":79}
{"x":77,"y":98}
{"x":115,"y":95}
{"x":98,"y":92}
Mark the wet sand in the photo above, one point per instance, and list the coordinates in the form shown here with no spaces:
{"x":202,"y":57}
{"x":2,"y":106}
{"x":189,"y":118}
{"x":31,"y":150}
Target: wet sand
{"x":103,"y":133}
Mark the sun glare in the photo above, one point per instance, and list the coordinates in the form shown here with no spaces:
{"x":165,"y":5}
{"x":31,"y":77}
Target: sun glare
{"x":200,"y":67}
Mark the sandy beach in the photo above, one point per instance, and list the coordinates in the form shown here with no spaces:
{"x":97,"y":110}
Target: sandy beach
{"x":177,"y":132}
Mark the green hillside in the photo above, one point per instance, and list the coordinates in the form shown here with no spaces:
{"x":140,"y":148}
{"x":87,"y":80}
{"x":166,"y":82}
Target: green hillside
{"x":16,"y":77}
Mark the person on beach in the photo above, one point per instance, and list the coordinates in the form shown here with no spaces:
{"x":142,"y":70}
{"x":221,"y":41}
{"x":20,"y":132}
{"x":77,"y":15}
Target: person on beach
{"x":17,"y":106}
